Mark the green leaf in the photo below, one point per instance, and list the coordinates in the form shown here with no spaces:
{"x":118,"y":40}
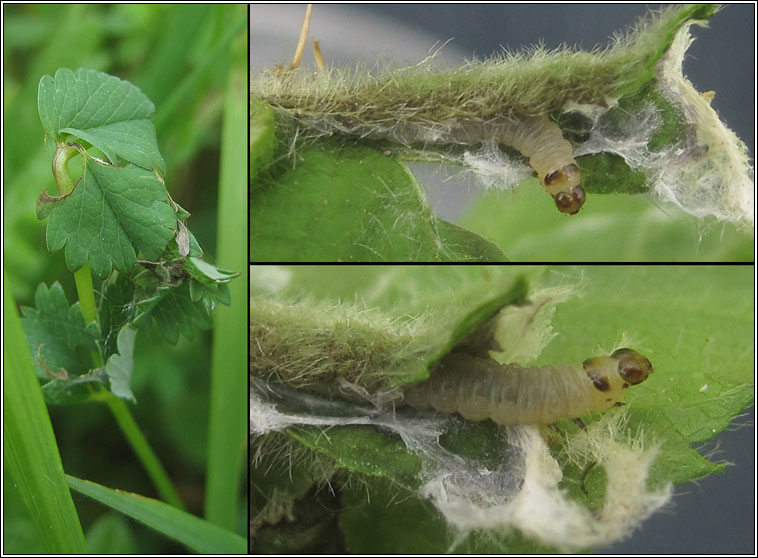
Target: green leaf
{"x":413,"y":526}
{"x":113,"y":214}
{"x":348,"y":203}
{"x":30,"y":451}
{"x":119,"y":366}
{"x":614,"y":227}
{"x":115,"y":308}
{"x":356,"y":106}
{"x":76,"y":390}
{"x":692,"y":322}
{"x":207,"y":273}
{"x":652,"y":43}
{"x":196,"y":533}
{"x":344,"y":343}
{"x":215,"y":292}
{"x":54,"y":331}
{"x":179,"y":295}
{"x":111,"y":534}
{"x":47,"y":203}
{"x":20,"y":534}
{"x":111,"y":114}
{"x":397,"y":521}
{"x":62,"y":343}
{"x":172,"y":311}
{"x":262,"y":138}
{"x":227,"y":417}
{"x":517,"y":294}
{"x":365,"y":451}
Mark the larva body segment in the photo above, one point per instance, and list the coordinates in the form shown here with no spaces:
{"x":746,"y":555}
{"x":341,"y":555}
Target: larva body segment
{"x":551,"y":157}
{"x":481,"y":388}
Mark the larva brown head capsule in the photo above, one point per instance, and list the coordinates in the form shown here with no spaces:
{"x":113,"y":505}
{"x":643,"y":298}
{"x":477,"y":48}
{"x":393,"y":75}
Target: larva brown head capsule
{"x":563,"y":184}
{"x":632,"y":367}
{"x":612,"y":375}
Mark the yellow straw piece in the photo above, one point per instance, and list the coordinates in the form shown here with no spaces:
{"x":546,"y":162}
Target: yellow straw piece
{"x":301,"y":40}
{"x":318,"y":58}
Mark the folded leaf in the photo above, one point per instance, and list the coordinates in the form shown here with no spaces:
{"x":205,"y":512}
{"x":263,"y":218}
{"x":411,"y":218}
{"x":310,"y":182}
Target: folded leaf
{"x":111,"y":114}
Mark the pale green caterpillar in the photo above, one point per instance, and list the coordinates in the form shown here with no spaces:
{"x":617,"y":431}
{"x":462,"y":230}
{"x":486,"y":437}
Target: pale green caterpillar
{"x":481,"y":388}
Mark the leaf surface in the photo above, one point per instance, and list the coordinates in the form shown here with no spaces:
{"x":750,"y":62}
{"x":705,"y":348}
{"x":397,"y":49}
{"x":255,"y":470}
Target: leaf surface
{"x":109,"y":113}
{"x":54,"y":331}
{"x":30,"y":453}
{"x":113,"y":214}
{"x":173,"y":312}
{"x":351,"y":203}
{"x":62,"y":344}
{"x":119,"y":366}
{"x":198,"y":534}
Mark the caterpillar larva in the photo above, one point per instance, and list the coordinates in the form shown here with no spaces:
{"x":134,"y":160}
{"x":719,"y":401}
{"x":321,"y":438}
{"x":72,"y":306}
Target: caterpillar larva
{"x":551,"y":157}
{"x":482,"y":388}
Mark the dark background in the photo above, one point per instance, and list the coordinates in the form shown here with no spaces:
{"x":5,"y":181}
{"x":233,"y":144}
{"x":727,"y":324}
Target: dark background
{"x":716,"y":514}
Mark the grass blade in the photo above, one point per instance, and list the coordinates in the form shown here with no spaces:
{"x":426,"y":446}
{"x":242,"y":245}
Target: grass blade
{"x":31,"y":453}
{"x":186,"y":528}
{"x":227,"y":435}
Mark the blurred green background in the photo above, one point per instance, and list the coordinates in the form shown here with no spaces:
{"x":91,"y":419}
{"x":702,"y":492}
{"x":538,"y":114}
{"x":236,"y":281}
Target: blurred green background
{"x":178,"y":56}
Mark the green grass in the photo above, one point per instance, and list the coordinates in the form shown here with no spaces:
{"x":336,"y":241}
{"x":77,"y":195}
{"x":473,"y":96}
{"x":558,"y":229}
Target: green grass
{"x":227,"y":444}
{"x":31,"y":455}
{"x":196,"y":533}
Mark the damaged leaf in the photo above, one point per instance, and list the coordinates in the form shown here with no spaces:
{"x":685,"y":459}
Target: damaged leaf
{"x":112,"y":215}
{"x":55,"y":333}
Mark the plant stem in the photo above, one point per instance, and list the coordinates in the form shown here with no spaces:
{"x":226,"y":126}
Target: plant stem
{"x":83,"y":279}
{"x":86,"y":292}
{"x":144,"y":452}
{"x":83,"y":276}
